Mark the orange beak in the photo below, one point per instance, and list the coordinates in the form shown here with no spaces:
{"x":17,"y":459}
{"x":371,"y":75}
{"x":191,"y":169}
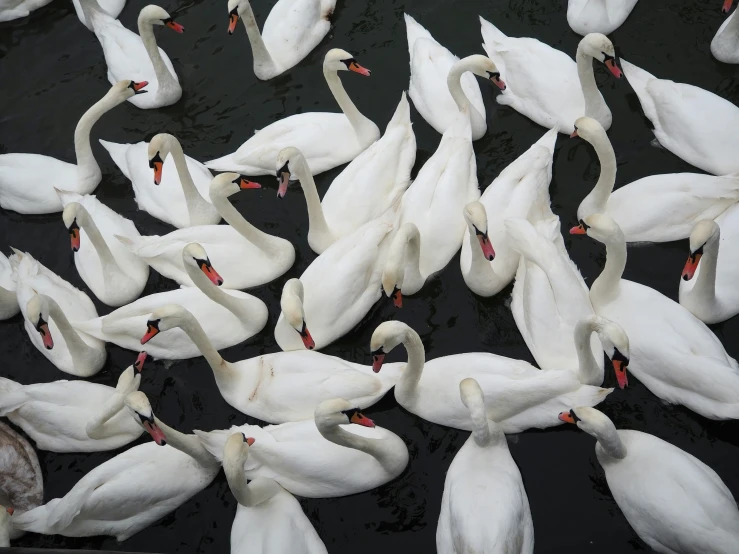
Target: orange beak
{"x":691,"y":265}
{"x":233,"y":19}
{"x":43,"y":330}
{"x":308,"y":341}
{"x":611,"y":65}
{"x":620,"y":368}
{"x":158,"y":172}
{"x":487,"y":248}
{"x":356,"y":68}
{"x":397,"y":297}
{"x":377,"y":359}
{"x":495,"y":78}
{"x":74,"y":235}
{"x":138,"y":365}
{"x":152,"y":330}
{"x":156,"y":433}
{"x":567,"y":417}
{"x":211,"y":273}
{"x":250,"y":441}
{"x":246,"y":184}
{"x":176,"y":27}
{"x":138,"y":86}
{"x":578,"y":230}
{"x":727,"y":6}
{"x":361,"y":419}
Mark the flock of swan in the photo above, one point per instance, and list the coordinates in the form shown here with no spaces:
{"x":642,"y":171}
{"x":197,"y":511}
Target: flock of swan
{"x":375,"y":231}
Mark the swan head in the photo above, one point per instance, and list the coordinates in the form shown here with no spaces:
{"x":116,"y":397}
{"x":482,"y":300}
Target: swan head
{"x":234,"y":13}
{"x":291,"y":304}
{"x":393,"y":274}
{"x":71,"y":212}
{"x":726,"y":8}
{"x":340,"y":60}
{"x":471,"y":394}
{"x":123,"y":90}
{"x":387,"y":336}
{"x":477,"y":219}
{"x":588,"y":419}
{"x":37,"y":312}
{"x":615,"y":343}
{"x":601,"y":48}
{"x":705,"y":232}
{"x":284,"y":168}
{"x":338,"y":411}
{"x":482,"y":66}
{"x":140,"y":408}
{"x":194,"y":255}
{"x":159,"y":148}
{"x":154,"y":15}
{"x":130,"y":378}
{"x":589,"y":129}
{"x":236,"y":449}
{"x":600,"y":227}
{"x":165,"y":318}
{"x":227,"y":184}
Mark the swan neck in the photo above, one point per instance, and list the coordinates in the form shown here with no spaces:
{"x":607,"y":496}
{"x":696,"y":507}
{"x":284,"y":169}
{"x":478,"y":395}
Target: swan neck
{"x":188,"y":444}
{"x":454,"y":83}
{"x":107,"y":260}
{"x":233,"y":217}
{"x":607,"y":179}
{"x":704,"y":289}
{"x":363,"y":127}
{"x":146,"y":32}
{"x":588,"y":372}
{"x":5,"y":535}
{"x":248,"y":494}
{"x":96,"y":425}
{"x":263,"y":62}
{"x":405,"y":255}
{"x":77,"y":347}
{"x":594,"y":102}
{"x":221,"y":368}
{"x":606,"y":286}
{"x":411,"y":375}
{"x":374,"y":447}
{"x":609,"y":440}
{"x":196,"y":204}
{"x":317,"y":225}
{"x":87,"y":166}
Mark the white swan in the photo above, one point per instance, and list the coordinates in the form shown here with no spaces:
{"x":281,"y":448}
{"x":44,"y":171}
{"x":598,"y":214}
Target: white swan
{"x":707,"y":287}
{"x":370,"y":185}
{"x":657,"y":208}
{"x":176,"y":192}
{"x":112,"y":7}
{"x":268,"y":518}
{"x":430,"y":213}
{"x":74,"y":416}
{"x":725,"y":45}
{"x":292,"y":30}
{"x":113,"y":273}
{"x":673,"y":501}
{"x":228,"y":316}
{"x":598,"y":16}
{"x":673,"y":353}
{"x":545,"y":84}
{"x":131,"y":491}
{"x":15,"y":9}
{"x":689,"y":121}
{"x":48,"y":304}
{"x":339,"y":287}
{"x":8,"y":298}
{"x":487,"y":262}
{"x":244,"y":255}
{"x":474,"y":517}
{"x":326,"y":139}
{"x":517,"y":395}
{"x":320,"y":458}
{"x":279,"y":387}
{"x":45,"y":172}
{"x":129,"y":55}
{"x":441,"y":85}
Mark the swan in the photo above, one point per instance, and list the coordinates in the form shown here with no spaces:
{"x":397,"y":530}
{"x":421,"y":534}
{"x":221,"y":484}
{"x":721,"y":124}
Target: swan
{"x":112,"y":7}
{"x":598,"y":16}
{"x":229,"y":316}
{"x":725,"y":45}
{"x":15,"y":9}
{"x":74,"y":416}
{"x":21,"y":480}
{"x":245,"y":256}
{"x":8,"y":297}
{"x":292,"y":30}
{"x":518,"y":396}
{"x":51,"y":308}
{"x":673,"y":353}
{"x":487,"y":262}
{"x":339,"y":287}
{"x":674,"y":502}
{"x":113,"y":273}
{"x":178,"y":194}
{"x":371,"y":184}
{"x":130,"y":55}
{"x":657,"y":208}
{"x":324,"y":457}
{"x":326,"y":139}
{"x":440,"y":85}
{"x":45,"y":172}
{"x":269,"y":520}
{"x":707,"y":287}
{"x":279,"y":387}
{"x":132,"y":490}
{"x":474,"y":517}
{"x":544,"y":84}
{"x":689,"y":121}
{"x":432,"y":207}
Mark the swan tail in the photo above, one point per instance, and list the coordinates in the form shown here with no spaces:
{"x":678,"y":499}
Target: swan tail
{"x":414,"y":30}
{"x":35,"y":520}
{"x":229,"y":163}
{"x":586,"y":395}
{"x":639,"y":79}
{"x":528,"y":242}
{"x":117,"y":152}
{"x":402,"y":115}
{"x":70,"y":506}
{"x":548,"y":140}
{"x":12,"y":396}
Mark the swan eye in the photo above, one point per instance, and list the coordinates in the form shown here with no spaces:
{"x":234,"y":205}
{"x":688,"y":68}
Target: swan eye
{"x":584,"y":225}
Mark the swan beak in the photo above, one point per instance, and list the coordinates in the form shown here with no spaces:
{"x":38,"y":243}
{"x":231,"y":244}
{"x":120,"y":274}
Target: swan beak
{"x":567,"y":417}
{"x":611,"y":65}
{"x":176,"y":27}
{"x":691,"y":265}
{"x":578,"y":230}
{"x":359,"y":418}
{"x":74,"y":235}
{"x":211,"y":273}
{"x":356,"y":68}
{"x":153,"y":429}
{"x":495,"y":78}
{"x":43,"y":329}
{"x":157,"y":164}
{"x":727,"y":6}
{"x":620,"y":367}
{"x":10,"y":511}
{"x":574,"y":133}
{"x":308,"y":341}
{"x":283,"y":179}
{"x":138,"y":87}
{"x":487,"y":248}
{"x":397,"y":297}
{"x":152,"y":330}
{"x":246,"y":184}
{"x":377,"y":358}
{"x":233,"y":19}
{"x":138,"y":365}
{"x":249,"y":440}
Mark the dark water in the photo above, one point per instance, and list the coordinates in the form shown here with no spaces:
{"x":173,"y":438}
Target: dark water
{"x":52,"y":69}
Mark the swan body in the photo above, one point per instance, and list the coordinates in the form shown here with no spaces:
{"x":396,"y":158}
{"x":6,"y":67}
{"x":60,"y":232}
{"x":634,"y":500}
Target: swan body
{"x":8,"y":298}
{"x":658,"y":208}
{"x":371,"y":184}
{"x":245,"y":256}
{"x":674,"y":502}
{"x":484,"y":507}
{"x":673,"y":353}
{"x":518,"y":395}
{"x":268,"y":519}
{"x":132,"y":490}
{"x":48,"y":304}
{"x":707,"y":285}
{"x":487,"y":261}
{"x":598,"y":16}
{"x":112,"y":7}
{"x":292,"y":30}
{"x":321,"y":458}
{"x":74,"y":416}
{"x":177,"y":191}
{"x":327,"y":140}
{"x":137,"y":57}
{"x":545,"y":84}
{"x":17,"y":170}
{"x":15,"y":9}
{"x":113,"y":273}
{"x":229,"y":317}
{"x":725,"y":45}
{"x":688,"y":121}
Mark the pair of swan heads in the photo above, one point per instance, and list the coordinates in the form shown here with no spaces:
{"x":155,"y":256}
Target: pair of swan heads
{"x":154,"y":15}
{"x":291,"y":304}
{"x":705,"y":233}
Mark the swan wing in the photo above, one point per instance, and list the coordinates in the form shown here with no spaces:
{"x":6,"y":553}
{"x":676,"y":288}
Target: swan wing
{"x":293,"y":29}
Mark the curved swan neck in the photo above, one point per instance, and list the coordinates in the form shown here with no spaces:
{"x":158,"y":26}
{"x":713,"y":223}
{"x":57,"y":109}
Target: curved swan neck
{"x":481,"y":270}
{"x":318,"y":229}
{"x":608,"y":439}
{"x":77,"y":347}
{"x":607,"y":285}
{"x":146,"y":32}
{"x":196,"y":204}
{"x":588,"y":372}
{"x":454,"y":82}
{"x":221,"y":368}
{"x":704,"y":288}
{"x":87,"y":166}
{"x":363,"y":127}
{"x":233,"y":217}
{"x":247,"y":494}
{"x":374,"y":447}
{"x":233,"y":304}
{"x":411,"y":375}
{"x":108,"y":262}
{"x":405,"y":254}
{"x":602,"y":190}
{"x":95,"y":427}
{"x":263,"y":62}
{"x":594,"y":102}
{"x":484,"y":431}
{"x":189,"y":444}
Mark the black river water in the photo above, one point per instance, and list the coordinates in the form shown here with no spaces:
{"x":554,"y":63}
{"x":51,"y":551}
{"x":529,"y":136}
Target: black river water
{"x":52,"y":69}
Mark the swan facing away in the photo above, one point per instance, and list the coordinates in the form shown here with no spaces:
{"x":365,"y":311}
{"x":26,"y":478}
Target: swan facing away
{"x":484,"y":507}
{"x":292,"y":30}
{"x":598,"y":16}
{"x":725,"y":45}
{"x":674,"y":502}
